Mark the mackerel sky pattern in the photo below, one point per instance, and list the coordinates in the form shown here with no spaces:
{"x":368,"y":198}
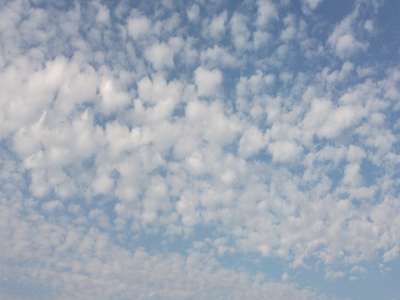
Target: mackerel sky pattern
{"x":205,"y":149}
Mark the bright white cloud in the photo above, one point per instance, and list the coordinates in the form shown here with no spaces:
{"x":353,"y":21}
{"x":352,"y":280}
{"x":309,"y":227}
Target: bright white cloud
{"x":239,"y":31}
{"x":342,"y":39}
{"x":207,"y":81}
{"x":217,"y":56}
{"x":251,"y":142}
{"x":138,"y":26}
{"x":193,"y":13}
{"x":266,"y":12}
{"x":200,"y":150}
{"x":284,"y":151}
{"x":216,"y":28}
{"x":308,"y":6}
{"x":160,"y":55}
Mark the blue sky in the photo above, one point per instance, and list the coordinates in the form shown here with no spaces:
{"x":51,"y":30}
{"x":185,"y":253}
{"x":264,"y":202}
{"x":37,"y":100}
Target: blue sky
{"x":199,"y":149}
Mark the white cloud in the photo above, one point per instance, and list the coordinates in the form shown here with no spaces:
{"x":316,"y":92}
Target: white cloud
{"x":391,"y":254}
{"x":216,"y":28}
{"x":103,"y":14}
{"x":331,"y":274}
{"x":369,"y":25}
{"x":364,"y":71}
{"x":113,"y":97}
{"x":291,"y":28}
{"x":193,"y":13}
{"x":355,"y":269}
{"x":100,"y":217}
{"x":327,"y":121}
{"x":342,"y":39}
{"x":160,"y":55}
{"x":284,"y":151}
{"x":216,"y":56}
{"x":144,"y":150}
{"x":103,"y":184}
{"x":138,"y":26}
{"x":168,"y":25}
{"x":52,"y":206}
{"x":239,"y":31}
{"x":308,"y":6}
{"x":261,"y":38}
{"x":207,"y":81}
{"x":266,"y":12}
{"x":251,"y":142}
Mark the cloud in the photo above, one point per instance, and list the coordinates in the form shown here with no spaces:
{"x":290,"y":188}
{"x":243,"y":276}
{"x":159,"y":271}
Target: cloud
{"x":217,"y":56}
{"x":240,"y":33}
{"x":308,"y":6}
{"x":160,"y":56}
{"x":251,"y":142}
{"x":193,"y":13}
{"x":52,"y":205}
{"x":284,"y":151}
{"x":207,"y":81}
{"x":290,"y":30}
{"x":342,"y":39}
{"x":195,"y":150}
{"x":138,"y":25}
{"x":216,"y":27}
{"x":331,"y":275}
{"x":266,"y":12}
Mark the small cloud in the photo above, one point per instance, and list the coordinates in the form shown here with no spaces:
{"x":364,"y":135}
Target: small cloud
{"x":217,"y":25}
{"x":358,"y":269}
{"x":193,"y":13}
{"x":391,"y":254}
{"x":266,"y":12}
{"x":342,"y":39}
{"x":52,"y":206}
{"x":239,"y":30}
{"x":308,"y":6}
{"x":138,"y":26}
{"x":100,"y":217}
{"x":284,"y":150}
{"x":207,"y":81}
{"x":332,"y":275}
{"x":369,"y":25}
{"x":285,"y":276}
{"x":160,"y":56}
{"x":103,"y":14}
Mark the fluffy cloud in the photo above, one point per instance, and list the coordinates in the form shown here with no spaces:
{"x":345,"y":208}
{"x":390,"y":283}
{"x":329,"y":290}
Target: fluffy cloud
{"x":309,"y":5}
{"x":266,"y":12}
{"x":343,"y":40}
{"x":216,"y":28}
{"x":160,"y":55}
{"x":138,"y":26}
{"x":193,"y":13}
{"x":284,"y":151}
{"x":196,"y":150}
{"x":239,"y":30}
{"x":207,"y":81}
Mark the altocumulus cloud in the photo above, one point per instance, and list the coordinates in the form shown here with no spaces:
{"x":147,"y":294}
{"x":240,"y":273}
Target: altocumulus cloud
{"x":205,"y":149}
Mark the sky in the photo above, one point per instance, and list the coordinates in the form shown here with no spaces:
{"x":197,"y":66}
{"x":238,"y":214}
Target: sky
{"x":201,"y":149}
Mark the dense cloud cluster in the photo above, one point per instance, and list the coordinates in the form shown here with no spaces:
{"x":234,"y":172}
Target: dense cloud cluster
{"x":161,"y":150}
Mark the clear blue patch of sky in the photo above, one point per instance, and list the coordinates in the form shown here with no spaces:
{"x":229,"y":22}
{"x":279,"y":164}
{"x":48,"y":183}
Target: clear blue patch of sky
{"x":388,"y":37}
{"x":252,"y":263}
{"x":17,"y":288}
{"x":370,"y":172}
{"x":369,"y":286}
